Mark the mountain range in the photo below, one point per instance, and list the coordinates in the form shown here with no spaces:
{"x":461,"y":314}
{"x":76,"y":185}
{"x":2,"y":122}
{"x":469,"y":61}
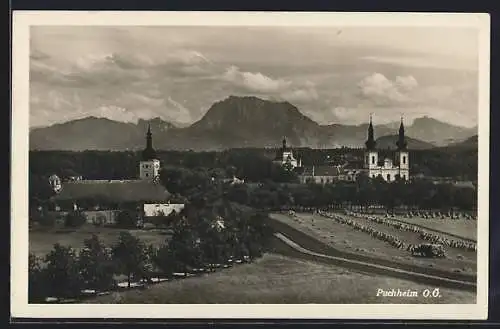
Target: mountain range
{"x":237,"y":122}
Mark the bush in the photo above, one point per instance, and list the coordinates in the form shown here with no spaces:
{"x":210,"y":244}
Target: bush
{"x":127,"y":219}
{"x":45,"y":219}
{"x":75,"y":218}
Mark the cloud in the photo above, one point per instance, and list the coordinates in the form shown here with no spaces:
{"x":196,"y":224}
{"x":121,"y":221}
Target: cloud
{"x":406,"y":83}
{"x":182,"y":114}
{"x":254,"y":82}
{"x":381,"y":91}
{"x":300,"y":95}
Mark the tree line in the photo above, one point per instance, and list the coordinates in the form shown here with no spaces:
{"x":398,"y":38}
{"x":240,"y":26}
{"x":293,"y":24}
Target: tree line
{"x":364,"y":193}
{"x":250,"y":164}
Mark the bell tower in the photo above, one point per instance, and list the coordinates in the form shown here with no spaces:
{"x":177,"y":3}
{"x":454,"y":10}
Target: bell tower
{"x":149,"y":167}
{"x":402,"y":154}
{"x":371,"y":154}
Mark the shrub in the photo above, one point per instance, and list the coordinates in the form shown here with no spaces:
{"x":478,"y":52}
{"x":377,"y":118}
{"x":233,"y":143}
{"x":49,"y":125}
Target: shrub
{"x":75,"y":218}
{"x":127,"y":219}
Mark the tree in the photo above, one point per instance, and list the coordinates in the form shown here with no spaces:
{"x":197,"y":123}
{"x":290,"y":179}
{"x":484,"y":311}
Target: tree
{"x":129,"y":255}
{"x":163,"y":259}
{"x":37,"y":284}
{"x":75,"y":218}
{"x":96,"y":265}
{"x":127,"y":219}
{"x":63,"y":276}
{"x":45,"y":218}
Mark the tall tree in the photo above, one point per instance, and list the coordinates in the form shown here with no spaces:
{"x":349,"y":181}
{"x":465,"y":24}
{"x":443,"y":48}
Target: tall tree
{"x":96,"y":265}
{"x":129,"y":255}
{"x":63,"y":273}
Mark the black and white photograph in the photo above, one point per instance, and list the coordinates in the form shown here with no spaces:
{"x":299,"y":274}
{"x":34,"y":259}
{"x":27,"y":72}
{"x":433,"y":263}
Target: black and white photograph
{"x":324,"y":165}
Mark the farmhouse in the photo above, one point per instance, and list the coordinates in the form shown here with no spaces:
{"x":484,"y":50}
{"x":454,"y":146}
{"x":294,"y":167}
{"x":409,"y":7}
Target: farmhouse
{"x":106,"y":198}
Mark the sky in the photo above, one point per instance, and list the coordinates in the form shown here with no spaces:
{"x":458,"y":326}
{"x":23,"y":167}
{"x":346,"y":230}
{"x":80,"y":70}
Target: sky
{"x":331,"y":74}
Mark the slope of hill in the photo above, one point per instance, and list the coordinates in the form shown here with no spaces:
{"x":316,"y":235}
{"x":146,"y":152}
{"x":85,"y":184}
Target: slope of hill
{"x":82,"y":134}
{"x":389,"y":142}
{"x":470,"y":143}
{"x":437,"y":132}
{"x":229,"y":123}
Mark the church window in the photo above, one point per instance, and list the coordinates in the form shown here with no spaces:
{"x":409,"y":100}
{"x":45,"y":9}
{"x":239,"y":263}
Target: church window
{"x":388,"y":177}
{"x":373,"y":159}
{"x":404,"y":160}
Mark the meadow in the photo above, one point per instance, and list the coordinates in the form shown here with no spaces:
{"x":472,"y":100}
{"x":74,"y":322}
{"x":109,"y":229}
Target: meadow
{"x":465,"y":228}
{"x":42,"y":240}
{"x":277,"y":279}
{"x":345,"y":238}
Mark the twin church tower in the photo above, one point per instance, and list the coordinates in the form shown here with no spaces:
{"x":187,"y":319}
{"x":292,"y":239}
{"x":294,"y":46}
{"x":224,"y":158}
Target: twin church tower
{"x":389,"y":170}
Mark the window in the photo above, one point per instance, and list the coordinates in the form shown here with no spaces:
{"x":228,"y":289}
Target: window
{"x":404,"y":160}
{"x":404,"y":177}
{"x":147,"y":175}
{"x":388,"y":177}
{"x":373,"y":159}
{"x":321,"y":180}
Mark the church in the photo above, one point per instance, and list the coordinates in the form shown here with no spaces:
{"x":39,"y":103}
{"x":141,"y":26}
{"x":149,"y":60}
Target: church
{"x":370,"y":165}
{"x":389,"y":169}
{"x":98,"y":198}
{"x":286,"y":158}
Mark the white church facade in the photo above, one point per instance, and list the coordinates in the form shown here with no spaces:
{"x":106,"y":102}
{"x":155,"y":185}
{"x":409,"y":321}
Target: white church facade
{"x":389,"y":169}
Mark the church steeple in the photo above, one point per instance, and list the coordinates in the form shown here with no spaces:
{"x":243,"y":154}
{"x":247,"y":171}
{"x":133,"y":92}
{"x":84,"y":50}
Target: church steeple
{"x":284,"y":144}
{"x":401,"y":143}
{"x":370,"y":142}
{"x":149,"y":153}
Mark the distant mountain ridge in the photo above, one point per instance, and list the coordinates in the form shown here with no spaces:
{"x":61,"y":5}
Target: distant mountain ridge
{"x":389,"y":142}
{"x":234,"y":122}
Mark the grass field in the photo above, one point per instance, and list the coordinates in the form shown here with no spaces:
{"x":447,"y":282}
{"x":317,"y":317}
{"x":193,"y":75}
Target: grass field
{"x":344,"y":237}
{"x":41,"y":241}
{"x":462,"y":227}
{"x":277,"y":279}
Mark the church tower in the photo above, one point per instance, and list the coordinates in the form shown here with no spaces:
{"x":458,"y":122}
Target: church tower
{"x":149,"y":167}
{"x":371,"y":154}
{"x":402,"y":155}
